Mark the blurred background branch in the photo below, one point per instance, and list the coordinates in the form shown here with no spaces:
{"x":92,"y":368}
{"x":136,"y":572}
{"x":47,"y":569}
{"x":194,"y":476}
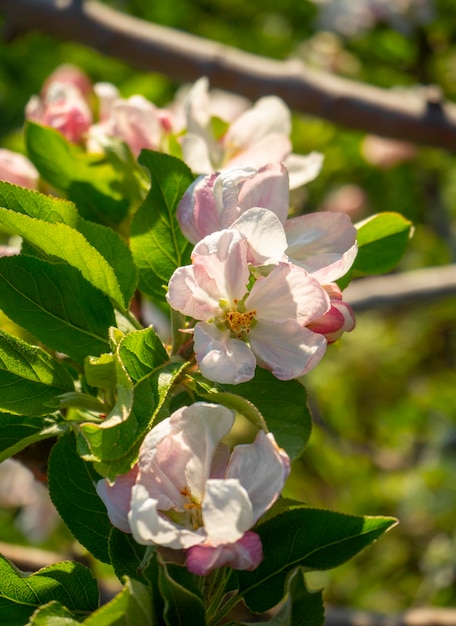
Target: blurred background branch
{"x":418,"y":115}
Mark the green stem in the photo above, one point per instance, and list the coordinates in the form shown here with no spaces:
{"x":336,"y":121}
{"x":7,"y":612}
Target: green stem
{"x":178,"y":338}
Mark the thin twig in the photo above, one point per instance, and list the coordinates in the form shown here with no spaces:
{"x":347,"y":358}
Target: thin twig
{"x":416,"y":115}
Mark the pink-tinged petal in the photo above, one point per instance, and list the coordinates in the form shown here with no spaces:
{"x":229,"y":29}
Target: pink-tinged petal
{"x":245,"y":554}
{"x":288,"y":292}
{"x":262,"y":468}
{"x":302,"y":169}
{"x":265,"y":235}
{"x":196,"y":154}
{"x":268,"y":116}
{"x":136,"y":122}
{"x":117,"y":497}
{"x":15,"y":168}
{"x":197,"y":212}
{"x":220,"y":461}
{"x":107,"y":94}
{"x":200,"y":428}
{"x":227,"y":511}
{"x":187,"y":296}
{"x":221,"y":267}
{"x":268,"y":189}
{"x":227,"y":188}
{"x":221,"y":358}
{"x":150,"y":526}
{"x":286,"y":348}
{"x":339,"y":319}
{"x":323,"y":243}
{"x":268,"y":149}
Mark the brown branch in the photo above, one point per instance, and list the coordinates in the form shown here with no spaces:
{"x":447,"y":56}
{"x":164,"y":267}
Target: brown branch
{"x":415,"y":115}
{"x":407,"y":287}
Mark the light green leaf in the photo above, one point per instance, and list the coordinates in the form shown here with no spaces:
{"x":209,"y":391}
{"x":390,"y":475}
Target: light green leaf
{"x":67,"y":244}
{"x":72,"y":490}
{"x":71,"y":584}
{"x":29,"y":377}
{"x":53,"y":614}
{"x":55,"y":210}
{"x":157,"y":243}
{"x":309,"y":538}
{"x":131,"y":607}
{"x":55,"y":303}
{"x":115,"y":442}
{"x":89,"y":180}
{"x":382,"y":241}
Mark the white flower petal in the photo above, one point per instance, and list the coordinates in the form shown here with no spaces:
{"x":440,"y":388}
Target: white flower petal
{"x":323,"y":242}
{"x":197,"y":212}
{"x":261,"y":468}
{"x":268,"y":189}
{"x":222,"y":358}
{"x":265,"y":235}
{"x":287,"y":292}
{"x":196,"y":154}
{"x":269,"y":115}
{"x":302,"y":169}
{"x":286,"y":348}
{"x":149,"y":526}
{"x":227,"y":511}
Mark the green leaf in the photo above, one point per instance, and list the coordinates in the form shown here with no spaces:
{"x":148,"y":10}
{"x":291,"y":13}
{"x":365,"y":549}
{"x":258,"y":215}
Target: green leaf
{"x":157,"y":244}
{"x":131,"y":607}
{"x":182,"y":606}
{"x":115,"y":442}
{"x":53,"y":614}
{"x":69,"y":583}
{"x":56,"y":304}
{"x":55,"y":210}
{"x":29,"y":377}
{"x":282,"y":404}
{"x":301,"y":607}
{"x":63,"y":242}
{"x":17,"y":432}
{"x":72,"y":490}
{"x":382,"y":241}
{"x":89,"y":179}
{"x":308,"y":538}
{"x":126,"y":554}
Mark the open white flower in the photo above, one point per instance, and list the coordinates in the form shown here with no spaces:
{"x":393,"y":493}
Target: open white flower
{"x":188,"y":493}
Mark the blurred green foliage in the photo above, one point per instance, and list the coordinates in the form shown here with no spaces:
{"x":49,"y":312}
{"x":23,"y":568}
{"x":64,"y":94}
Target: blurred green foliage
{"x":384,"y":400}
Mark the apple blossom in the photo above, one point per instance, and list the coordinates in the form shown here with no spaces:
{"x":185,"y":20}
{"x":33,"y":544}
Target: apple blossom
{"x":15,"y":168}
{"x":187,"y":492}
{"x":323,"y":243}
{"x":239,"y":326}
{"x":135,"y":120}
{"x":258,"y":135}
{"x":64,"y":107}
{"x":339,"y":319}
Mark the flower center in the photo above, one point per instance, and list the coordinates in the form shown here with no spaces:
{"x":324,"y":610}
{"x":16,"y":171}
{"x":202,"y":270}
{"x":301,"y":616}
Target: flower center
{"x":239,"y":322}
{"x":193,"y":508}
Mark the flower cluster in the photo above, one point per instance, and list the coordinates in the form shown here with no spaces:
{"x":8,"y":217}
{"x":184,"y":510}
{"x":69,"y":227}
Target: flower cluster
{"x":260,"y":286}
{"x":189,"y":492}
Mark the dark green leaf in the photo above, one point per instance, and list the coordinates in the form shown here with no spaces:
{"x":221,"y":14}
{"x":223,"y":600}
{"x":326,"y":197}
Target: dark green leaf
{"x":283,"y":405}
{"x":56,"y":304}
{"x":72,"y":490}
{"x":182,"y":606}
{"x":157,"y":243}
{"x":126,"y":554}
{"x":29,"y":377}
{"x":18,"y":431}
{"x":69,"y":583}
{"x":309,"y":538}
{"x":131,"y":607}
